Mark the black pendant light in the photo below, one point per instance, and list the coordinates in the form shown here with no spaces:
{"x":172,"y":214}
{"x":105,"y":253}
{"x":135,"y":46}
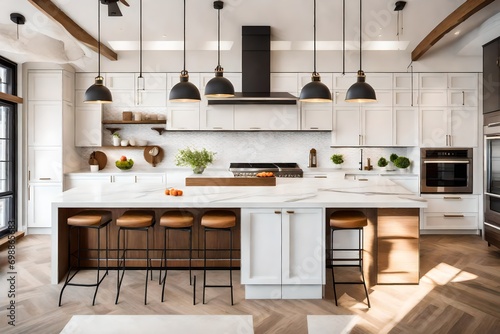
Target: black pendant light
{"x":184,"y":91}
{"x":98,"y":93}
{"x":315,"y":91}
{"x":360,"y":91}
{"x":219,"y":86}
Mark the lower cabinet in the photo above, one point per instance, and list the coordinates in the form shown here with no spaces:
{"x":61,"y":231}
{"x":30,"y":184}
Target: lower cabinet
{"x":39,"y":206}
{"x":86,"y":179}
{"x":451,"y":212}
{"x":282,"y":253}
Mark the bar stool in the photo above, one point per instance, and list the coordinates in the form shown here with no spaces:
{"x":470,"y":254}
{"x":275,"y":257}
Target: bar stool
{"x":178,"y":221}
{"x":92,"y":220}
{"x":348,"y":220}
{"x":218,"y":220}
{"x":133,"y":220}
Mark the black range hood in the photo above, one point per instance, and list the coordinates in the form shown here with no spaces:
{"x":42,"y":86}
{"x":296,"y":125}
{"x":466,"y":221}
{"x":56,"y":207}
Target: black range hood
{"x":256,"y":71}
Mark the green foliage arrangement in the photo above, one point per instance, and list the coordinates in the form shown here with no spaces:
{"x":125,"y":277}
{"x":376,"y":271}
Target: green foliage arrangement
{"x":195,"y":159}
{"x":402,"y":162}
{"x":116,"y":135}
{"x":393,"y":157}
{"x":382,"y":162}
{"x":337,"y":159}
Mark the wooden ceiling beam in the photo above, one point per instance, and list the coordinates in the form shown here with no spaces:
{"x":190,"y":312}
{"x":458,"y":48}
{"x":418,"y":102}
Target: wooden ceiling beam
{"x":52,"y":11}
{"x":460,"y":14}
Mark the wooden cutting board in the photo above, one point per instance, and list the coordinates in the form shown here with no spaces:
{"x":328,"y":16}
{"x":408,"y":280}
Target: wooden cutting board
{"x":231,"y":181}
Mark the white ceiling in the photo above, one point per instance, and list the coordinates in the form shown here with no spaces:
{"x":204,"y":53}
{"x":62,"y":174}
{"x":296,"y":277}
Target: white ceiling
{"x":291,"y":21}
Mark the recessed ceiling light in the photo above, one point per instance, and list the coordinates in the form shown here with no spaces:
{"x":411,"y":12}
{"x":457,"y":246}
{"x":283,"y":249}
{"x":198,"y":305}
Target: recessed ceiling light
{"x":457,"y":32}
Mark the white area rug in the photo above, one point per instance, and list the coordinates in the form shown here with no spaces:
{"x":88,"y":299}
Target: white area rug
{"x":331,"y":324}
{"x":168,"y":324}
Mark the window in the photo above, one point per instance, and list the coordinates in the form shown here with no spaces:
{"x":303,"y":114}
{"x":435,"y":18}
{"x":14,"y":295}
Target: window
{"x":8,"y":148}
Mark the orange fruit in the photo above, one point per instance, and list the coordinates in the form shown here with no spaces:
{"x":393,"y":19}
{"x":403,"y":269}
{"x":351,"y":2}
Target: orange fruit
{"x":167,"y":191}
{"x":179,"y":192}
{"x":173,"y":192}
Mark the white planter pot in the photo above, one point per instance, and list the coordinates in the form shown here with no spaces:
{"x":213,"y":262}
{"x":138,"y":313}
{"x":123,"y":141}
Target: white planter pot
{"x":116,"y":141}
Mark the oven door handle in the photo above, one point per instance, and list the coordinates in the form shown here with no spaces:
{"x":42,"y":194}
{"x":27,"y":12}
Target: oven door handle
{"x":492,"y":195}
{"x":492,"y":137}
{"x":491,"y":125}
{"x":446,"y":162}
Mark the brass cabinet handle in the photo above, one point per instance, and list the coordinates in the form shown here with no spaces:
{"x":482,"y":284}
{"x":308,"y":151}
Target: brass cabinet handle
{"x":44,"y":178}
{"x":314,"y":128}
{"x":217,"y":127}
{"x":290,"y":212}
{"x":452,"y":197}
{"x":453,"y":216}
{"x":278,"y":212}
{"x":254,"y":128}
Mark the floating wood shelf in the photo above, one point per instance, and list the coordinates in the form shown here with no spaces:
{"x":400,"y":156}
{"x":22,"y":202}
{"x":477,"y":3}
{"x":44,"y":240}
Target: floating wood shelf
{"x":135,"y":122}
{"x":128,"y":146}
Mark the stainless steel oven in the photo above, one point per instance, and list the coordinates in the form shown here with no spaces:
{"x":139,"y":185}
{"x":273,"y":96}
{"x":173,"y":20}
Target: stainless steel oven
{"x":446,"y":170}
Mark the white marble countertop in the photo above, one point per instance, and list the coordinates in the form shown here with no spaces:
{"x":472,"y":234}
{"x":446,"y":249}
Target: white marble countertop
{"x":288,"y":193}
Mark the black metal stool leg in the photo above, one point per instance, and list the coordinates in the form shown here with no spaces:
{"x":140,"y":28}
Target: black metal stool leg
{"x":148,"y":265}
{"x":164,"y":258}
{"x":190,"y":254}
{"x":231,"y":263}
{"x":204,"y":262}
{"x":120,"y":259}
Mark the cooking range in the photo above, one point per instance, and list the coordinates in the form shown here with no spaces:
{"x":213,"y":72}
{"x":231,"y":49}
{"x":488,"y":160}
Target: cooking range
{"x":280,"y":169}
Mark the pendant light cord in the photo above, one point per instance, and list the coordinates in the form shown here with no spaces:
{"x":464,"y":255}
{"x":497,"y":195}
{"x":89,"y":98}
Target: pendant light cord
{"x":98,"y":38}
{"x":140,"y":42}
{"x":218,"y":39}
{"x":314,"y":27}
{"x":184,"y":42}
{"x":343,"y":37}
{"x":360,"y":35}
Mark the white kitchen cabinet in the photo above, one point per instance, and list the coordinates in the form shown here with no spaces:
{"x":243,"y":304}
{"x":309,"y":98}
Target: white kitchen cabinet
{"x":39,"y":205}
{"x":362,"y":126}
{"x":405,"y":98}
{"x":155,"y":90}
{"x":44,"y":118}
{"x":85,"y":180}
{"x":316,"y":116}
{"x":379,"y":81}
{"x":44,"y":164}
{"x":406,"y":126}
{"x":183,"y":118}
{"x":463,"y":98}
{"x":284,"y":82}
{"x":463,"y":81}
{"x":451,"y":212}
{"x":455,"y":127}
{"x":384,"y":98}
{"x":73,"y":180}
{"x":88,"y":123}
{"x":83,"y":80}
{"x":282,"y":253}
{"x":150,"y":178}
{"x":343,"y":82}
{"x":120,"y":81}
{"x":217,"y":117}
{"x":123,"y":98}
{"x":47,"y":85}
{"x":435,"y":97}
{"x":405,"y":81}
{"x":269,"y":117}
{"x":433,"y":81}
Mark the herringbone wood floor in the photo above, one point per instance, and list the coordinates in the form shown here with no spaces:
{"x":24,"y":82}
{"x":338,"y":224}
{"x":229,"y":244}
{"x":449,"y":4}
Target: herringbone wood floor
{"x":459,"y":292}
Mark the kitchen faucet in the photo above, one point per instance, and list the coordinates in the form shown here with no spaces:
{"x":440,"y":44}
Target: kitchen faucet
{"x":361,"y":159}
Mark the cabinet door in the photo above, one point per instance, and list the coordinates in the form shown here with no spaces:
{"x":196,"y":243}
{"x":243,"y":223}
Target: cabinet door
{"x":120,"y":81}
{"x":88,"y":126}
{"x":406,"y":81}
{"x":83,"y":80}
{"x":150,"y":178}
{"x":462,"y":81}
{"x":273,"y":117}
{"x":346,"y":127}
{"x":217,"y":118}
{"x":284,"y":82}
{"x":68,"y":87}
{"x":45,"y":164}
{"x":261,"y":246}
{"x":151,"y":98}
{"x":316,"y":116}
{"x":45,"y":85}
{"x":377,"y":123}
{"x":153,"y":81}
{"x":433,"y":81}
{"x":39,"y":204}
{"x":85,"y":181}
{"x":183,"y":118}
{"x":434,"y":127}
{"x":491,"y":76}
{"x":128,"y":178}
{"x":44,"y":123}
{"x":405,"y":98}
{"x":406,"y":126}
{"x":464,"y":98}
{"x":437,"y":97}
{"x":463,"y":127}
{"x":123,"y":98}
{"x":302,"y":246}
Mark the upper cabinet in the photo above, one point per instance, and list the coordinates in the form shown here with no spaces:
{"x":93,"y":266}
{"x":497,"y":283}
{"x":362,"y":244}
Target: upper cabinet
{"x":491,"y":76}
{"x":88,"y":116}
{"x":48,"y":85}
{"x":272,"y":117}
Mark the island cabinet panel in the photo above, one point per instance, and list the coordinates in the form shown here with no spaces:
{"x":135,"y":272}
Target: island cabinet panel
{"x":282,"y":253}
{"x":398,"y":246}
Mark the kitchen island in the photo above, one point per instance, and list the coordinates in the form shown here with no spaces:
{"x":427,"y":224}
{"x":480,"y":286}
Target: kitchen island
{"x":302,"y":207}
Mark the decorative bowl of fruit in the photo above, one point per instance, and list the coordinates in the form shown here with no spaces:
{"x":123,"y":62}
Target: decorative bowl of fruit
{"x":124,"y":163}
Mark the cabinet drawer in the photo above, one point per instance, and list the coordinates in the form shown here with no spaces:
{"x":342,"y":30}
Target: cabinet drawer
{"x":452,"y":203}
{"x":446,"y":221}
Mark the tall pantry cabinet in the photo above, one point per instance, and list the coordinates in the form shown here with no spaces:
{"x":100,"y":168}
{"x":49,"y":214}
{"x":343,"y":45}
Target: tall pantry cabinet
{"x":491,"y":76}
{"x":50,"y":125}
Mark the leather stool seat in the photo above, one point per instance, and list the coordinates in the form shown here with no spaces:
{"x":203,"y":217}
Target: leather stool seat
{"x":89,"y":218}
{"x":218,"y":219}
{"x":136,"y":219}
{"x":177,"y":219}
{"x":348,"y":219}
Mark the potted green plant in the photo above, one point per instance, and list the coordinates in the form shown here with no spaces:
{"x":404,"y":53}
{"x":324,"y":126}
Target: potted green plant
{"x":337,"y":159}
{"x":382,"y":162}
{"x":116,"y":139}
{"x":198,"y":160}
{"x":402,"y":163}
